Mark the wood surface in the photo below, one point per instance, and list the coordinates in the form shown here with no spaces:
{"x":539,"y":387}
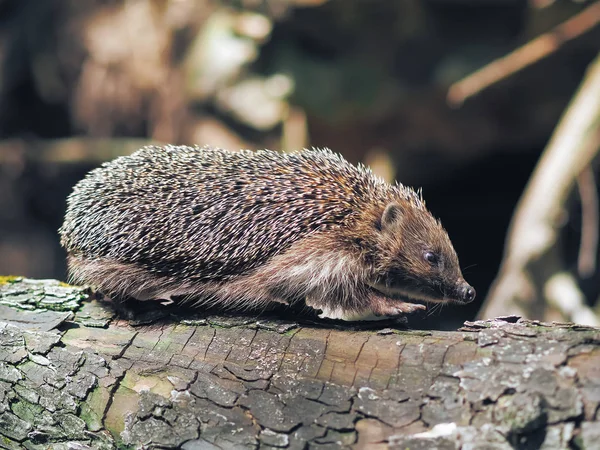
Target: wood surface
{"x":74,"y":375}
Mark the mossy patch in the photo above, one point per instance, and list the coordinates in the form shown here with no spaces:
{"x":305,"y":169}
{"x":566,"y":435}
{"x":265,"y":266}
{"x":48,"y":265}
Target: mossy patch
{"x":28,"y":294}
{"x":26,"y":411}
{"x":5,"y":279}
{"x":93,"y":408}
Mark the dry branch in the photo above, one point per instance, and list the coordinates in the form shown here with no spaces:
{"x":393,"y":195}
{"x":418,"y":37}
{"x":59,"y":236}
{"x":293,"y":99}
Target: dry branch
{"x":524,"y":56}
{"x":532,"y":258}
{"x":590,"y":223}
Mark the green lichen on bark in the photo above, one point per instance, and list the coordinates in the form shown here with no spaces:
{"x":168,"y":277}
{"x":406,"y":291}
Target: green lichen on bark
{"x":39,"y":295}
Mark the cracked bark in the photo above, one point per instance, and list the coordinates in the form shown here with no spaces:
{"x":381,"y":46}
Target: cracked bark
{"x":71,"y":372}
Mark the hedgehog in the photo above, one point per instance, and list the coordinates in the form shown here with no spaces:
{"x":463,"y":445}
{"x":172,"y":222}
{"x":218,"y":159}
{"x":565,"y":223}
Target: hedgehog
{"x":251,"y":230}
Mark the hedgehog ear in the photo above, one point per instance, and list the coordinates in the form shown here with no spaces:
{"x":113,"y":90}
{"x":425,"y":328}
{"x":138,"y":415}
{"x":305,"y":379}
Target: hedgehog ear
{"x":392,"y":214}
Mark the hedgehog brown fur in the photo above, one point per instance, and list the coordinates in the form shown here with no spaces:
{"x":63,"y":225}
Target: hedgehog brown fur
{"x":252,"y":229}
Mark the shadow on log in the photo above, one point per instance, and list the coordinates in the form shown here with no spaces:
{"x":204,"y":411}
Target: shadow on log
{"x":71,"y":372}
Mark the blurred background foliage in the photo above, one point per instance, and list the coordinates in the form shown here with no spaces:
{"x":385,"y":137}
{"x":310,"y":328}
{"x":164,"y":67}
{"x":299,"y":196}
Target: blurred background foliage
{"x":83,"y":81}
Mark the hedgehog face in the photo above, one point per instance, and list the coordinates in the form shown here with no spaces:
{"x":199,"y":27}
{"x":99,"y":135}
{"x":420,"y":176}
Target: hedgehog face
{"x":416,"y":259}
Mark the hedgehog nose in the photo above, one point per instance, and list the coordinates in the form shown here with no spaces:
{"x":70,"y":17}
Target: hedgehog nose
{"x":467,"y":293}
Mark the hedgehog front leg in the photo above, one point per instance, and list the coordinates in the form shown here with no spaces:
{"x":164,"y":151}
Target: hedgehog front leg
{"x":385,"y":306}
{"x":368,"y":306}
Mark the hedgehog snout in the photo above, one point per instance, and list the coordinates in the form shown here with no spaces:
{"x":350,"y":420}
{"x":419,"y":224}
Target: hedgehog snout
{"x":466,"y":292}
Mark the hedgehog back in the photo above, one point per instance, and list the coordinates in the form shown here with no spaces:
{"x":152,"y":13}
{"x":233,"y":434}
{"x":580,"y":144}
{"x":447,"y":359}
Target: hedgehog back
{"x":209,"y":214}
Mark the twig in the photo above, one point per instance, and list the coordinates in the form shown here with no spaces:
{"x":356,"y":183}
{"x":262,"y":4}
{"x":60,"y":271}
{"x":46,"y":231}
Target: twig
{"x":588,"y":246}
{"x":532,"y":255}
{"x":524,"y":56}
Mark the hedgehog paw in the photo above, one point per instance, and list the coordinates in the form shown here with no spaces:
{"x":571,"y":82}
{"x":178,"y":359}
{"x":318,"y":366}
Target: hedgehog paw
{"x":382,"y":306}
{"x":401,"y":308}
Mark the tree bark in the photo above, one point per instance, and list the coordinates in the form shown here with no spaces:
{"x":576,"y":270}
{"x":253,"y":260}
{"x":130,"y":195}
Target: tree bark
{"x":74,"y":375}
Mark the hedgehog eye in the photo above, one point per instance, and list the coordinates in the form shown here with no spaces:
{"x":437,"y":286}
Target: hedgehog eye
{"x":431,"y":258}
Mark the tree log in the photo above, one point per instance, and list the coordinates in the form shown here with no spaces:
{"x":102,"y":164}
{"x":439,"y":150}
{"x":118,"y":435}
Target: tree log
{"x":74,"y":375}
